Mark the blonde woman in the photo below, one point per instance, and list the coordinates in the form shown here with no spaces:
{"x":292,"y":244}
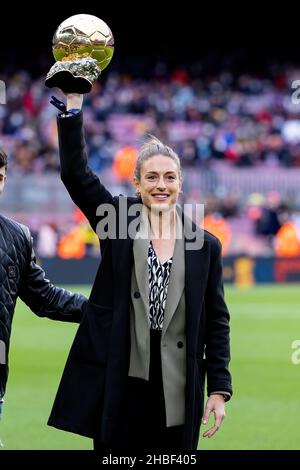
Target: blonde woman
{"x":156,"y":323}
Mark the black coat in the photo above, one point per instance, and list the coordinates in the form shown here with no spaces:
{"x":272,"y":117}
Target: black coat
{"x":92,"y":386}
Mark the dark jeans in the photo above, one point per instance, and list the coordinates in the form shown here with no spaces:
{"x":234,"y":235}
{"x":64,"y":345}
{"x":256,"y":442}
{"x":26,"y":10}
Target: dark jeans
{"x":142,"y":422}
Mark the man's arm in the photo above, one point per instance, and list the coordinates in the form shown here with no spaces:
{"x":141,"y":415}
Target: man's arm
{"x":43,"y":298}
{"x":83,"y":185}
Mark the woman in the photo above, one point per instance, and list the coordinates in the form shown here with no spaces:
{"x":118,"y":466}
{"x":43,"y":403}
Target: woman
{"x":135,"y":373}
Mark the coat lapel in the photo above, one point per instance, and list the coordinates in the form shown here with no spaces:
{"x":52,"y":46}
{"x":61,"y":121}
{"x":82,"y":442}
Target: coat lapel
{"x":140,"y":253}
{"x":189,"y":277}
{"x":196,"y":272}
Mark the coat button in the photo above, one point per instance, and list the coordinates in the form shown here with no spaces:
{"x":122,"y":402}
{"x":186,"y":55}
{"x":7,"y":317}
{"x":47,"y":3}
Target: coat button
{"x":136,"y":295}
{"x":180,"y":344}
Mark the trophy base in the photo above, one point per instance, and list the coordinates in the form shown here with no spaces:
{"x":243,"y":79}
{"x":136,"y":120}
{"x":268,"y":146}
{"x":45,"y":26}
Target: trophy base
{"x":68,"y":83}
{"x":75,"y":76}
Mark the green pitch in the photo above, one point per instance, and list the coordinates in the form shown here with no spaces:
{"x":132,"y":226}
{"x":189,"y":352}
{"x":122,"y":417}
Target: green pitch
{"x":263,"y":414}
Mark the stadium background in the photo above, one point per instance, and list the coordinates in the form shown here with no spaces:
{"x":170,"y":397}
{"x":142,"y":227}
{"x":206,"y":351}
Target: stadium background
{"x":215,"y":84}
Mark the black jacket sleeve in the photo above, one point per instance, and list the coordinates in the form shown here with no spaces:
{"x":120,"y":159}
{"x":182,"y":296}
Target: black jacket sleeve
{"x":43,"y":298}
{"x":83,"y":185}
{"x":217,"y":351}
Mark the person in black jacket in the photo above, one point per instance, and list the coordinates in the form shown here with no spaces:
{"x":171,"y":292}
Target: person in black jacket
{"x":156,"y":323}
{"x":21,"y":277}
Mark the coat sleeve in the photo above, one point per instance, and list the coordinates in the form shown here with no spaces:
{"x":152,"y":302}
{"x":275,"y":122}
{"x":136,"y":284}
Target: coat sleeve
{"x":43,"y":298}
{"x":217,"y":350}
{"x":83,"y":185}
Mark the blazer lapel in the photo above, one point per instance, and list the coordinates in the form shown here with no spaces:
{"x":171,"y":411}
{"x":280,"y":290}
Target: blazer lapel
{"x":177,"y":276}
{"x":189,"y":273}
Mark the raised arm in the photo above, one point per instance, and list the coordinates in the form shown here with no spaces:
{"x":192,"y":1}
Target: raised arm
{"x":82,"y":183}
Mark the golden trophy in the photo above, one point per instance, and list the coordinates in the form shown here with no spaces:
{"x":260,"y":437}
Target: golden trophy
{"x":83,"y":45}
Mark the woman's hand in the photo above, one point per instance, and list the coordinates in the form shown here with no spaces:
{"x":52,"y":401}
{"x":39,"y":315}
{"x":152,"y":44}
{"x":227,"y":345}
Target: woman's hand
{"x":74,"y":100}
{"x":215,"y":404}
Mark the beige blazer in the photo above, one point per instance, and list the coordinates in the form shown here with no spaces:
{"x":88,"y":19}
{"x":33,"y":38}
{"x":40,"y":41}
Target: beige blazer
{"x":173,"y":345}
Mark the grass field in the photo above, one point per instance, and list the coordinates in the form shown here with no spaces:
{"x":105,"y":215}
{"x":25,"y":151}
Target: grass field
{"x":263,"y":414}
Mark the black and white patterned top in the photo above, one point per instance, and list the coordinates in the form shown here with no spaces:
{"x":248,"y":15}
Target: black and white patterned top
{"x":159,"y":277}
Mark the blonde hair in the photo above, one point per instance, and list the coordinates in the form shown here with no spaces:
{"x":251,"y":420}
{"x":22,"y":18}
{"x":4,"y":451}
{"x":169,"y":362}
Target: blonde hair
{"x":151,"y":147}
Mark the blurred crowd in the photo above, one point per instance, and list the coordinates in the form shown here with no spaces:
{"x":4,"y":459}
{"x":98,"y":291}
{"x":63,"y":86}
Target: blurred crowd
{"x":243,"y":121}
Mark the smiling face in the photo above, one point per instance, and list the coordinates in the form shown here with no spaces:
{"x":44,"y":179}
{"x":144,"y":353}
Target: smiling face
{"x":160,"y":183}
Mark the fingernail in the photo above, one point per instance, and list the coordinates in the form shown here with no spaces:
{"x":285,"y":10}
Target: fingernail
{"x":204,"y":421}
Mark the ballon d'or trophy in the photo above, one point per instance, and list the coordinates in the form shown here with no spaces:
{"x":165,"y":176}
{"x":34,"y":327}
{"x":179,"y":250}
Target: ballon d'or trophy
{"x":83,"y":46}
